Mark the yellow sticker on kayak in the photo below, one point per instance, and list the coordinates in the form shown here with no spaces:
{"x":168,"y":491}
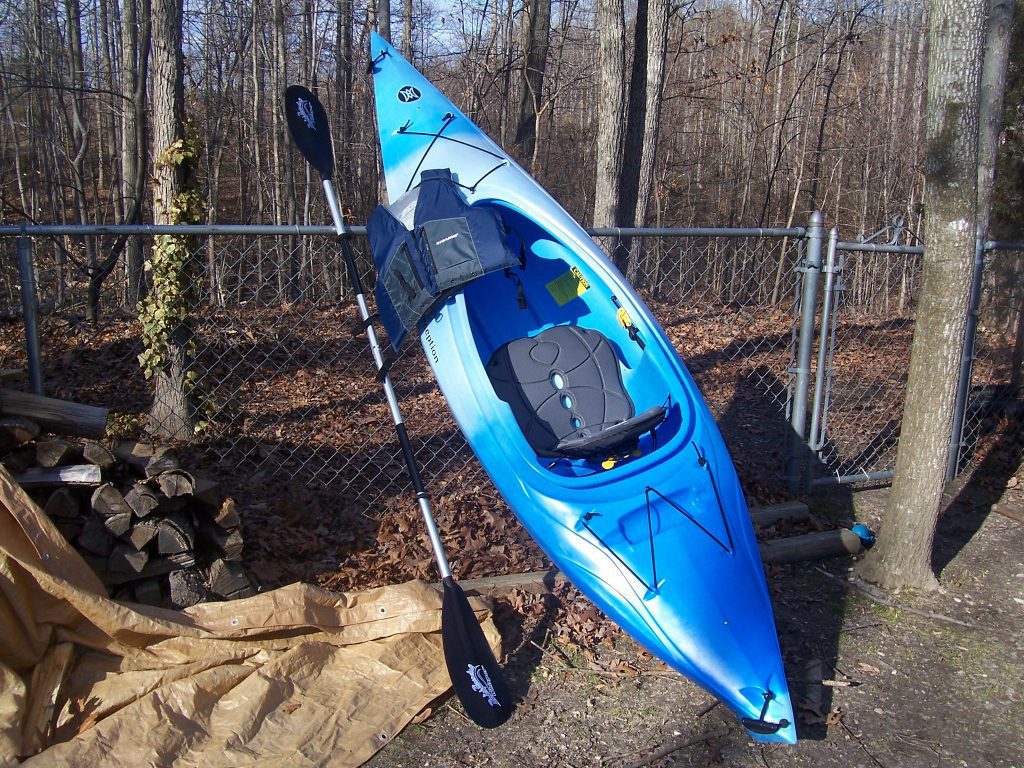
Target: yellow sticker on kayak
{"x":568,"y":286}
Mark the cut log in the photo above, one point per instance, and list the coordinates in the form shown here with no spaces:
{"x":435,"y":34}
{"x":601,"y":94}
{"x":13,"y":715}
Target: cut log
{"x":156,"y":567}
{"x":772,"y":513}
{"x":148,"y":592}
{"x":62,"y":504}
{"x":215,"y":540}
{"x":60,"y":416}
{"x":76,"y":474}
{"x":208,"y":492}
{"x":175,"y":534}
{"x":186,"y":589}
{"x":229,"y":580}
{"x":125,"y":558}
{"x":95,"y":537}
{"x":163,"y":459}
{"x":142,"y":499}
{"x":54,"y":453}
{"x":98,"y":454}
{"x":811,"y":546}
{"x":70,"y":528}
{"x":20,"y":459}
{"x":227,"y":515}
{"x":118,"y":524}
{"x":107,"y":500}
{"x":16,"y":431}
{"x":142,"y":533}
{"x":175,"y":483}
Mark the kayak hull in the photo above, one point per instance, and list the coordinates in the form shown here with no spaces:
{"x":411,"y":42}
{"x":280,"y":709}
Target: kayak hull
{"x":660,"y":537}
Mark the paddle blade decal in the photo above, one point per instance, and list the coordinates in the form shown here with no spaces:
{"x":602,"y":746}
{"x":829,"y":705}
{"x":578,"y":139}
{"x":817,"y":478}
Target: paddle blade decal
{"x":474,"y":671}
{"x":307,"y":123}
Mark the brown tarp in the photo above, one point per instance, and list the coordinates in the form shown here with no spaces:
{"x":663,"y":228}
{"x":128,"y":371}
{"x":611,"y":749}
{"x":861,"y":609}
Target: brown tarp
{"x":299,"y":676}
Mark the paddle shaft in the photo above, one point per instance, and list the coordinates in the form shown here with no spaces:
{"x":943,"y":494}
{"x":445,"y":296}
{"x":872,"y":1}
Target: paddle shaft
{"x":389,"y":391}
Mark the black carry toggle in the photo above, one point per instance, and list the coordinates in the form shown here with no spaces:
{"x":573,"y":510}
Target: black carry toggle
{"x":760,"y":725}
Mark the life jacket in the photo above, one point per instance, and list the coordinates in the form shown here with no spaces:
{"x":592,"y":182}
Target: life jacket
{"x":451,"y":244}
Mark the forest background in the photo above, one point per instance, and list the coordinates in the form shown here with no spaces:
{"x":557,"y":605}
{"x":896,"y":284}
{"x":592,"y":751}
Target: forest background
{"x":764,"y":111}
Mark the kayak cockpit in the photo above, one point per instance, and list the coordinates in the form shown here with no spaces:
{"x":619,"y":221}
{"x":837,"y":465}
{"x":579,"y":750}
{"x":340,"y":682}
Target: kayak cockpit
{"x":562,"y":351}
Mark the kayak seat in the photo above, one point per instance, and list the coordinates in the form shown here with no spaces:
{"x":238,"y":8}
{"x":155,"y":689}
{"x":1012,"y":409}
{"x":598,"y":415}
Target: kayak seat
{"x":565,"y":388}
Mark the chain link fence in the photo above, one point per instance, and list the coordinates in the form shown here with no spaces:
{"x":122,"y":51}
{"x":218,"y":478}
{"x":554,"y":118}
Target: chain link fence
{"x":289,"y":398}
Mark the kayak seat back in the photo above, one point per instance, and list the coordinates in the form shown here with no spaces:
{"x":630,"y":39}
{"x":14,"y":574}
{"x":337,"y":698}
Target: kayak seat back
{"x":565,"y":388}
{"x":451,"y":244}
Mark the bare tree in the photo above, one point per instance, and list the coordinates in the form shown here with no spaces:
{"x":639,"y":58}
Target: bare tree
{"x":610,"y":110}
{"x":902,"y":557}
{"x":531,"y":89}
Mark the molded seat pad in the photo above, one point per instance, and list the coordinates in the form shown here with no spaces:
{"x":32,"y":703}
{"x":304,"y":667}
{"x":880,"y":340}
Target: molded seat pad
{"x":565,"y":389}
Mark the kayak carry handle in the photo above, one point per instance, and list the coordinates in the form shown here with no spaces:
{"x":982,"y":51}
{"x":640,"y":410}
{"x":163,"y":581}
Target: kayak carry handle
{"x":761,"y":726}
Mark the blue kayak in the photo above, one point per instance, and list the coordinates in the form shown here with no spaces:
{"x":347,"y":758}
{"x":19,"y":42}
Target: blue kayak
{"x":572,"y":397}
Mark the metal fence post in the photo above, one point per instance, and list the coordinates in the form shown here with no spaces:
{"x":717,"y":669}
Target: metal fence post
{"x":26,"y":275}
{"x":811,"y":270}
{"x":963,"y":387}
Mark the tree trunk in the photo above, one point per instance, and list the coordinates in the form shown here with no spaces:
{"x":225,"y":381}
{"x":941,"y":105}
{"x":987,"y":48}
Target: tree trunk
{"x":173,"y":412}
{"x":538,"y":35}
{"x":135,"y":44}
{"x":902,"y":557}
{"x":610,"y":109}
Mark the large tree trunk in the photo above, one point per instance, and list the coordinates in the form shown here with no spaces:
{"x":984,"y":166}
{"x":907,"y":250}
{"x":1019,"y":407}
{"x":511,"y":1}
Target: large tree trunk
{"x":610,"y":108}
{"x":531,"y":89}
{"x":135,"y":42}
{"x":173,"y":412}
{"x":902,"y":557}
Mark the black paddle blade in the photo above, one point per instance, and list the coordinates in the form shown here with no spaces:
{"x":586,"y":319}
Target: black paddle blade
{"x":475,"y":673}
{"x":307,"y":123}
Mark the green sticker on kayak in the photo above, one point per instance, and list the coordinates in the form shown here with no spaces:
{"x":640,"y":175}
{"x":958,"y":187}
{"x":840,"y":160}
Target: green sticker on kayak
{"x":568,"y":286}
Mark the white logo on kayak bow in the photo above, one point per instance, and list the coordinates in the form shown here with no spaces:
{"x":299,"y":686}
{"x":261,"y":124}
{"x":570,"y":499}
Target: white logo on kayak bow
{"x":482,"y":683}
{"x":444,"y":240}
{"x":408,"y":93}
{"x":305,"y":109}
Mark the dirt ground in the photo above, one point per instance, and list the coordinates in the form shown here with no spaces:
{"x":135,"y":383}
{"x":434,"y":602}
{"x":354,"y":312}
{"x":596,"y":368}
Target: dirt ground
{"x":900,"y":680}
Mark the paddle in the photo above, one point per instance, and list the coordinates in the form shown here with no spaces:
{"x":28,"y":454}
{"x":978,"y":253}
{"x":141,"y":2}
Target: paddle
{"x":474,"y":671}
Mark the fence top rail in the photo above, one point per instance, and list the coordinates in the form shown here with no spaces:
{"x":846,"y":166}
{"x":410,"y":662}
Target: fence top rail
{"x":696,"y":232}
{"x":911,"y":250}
{"x":84,"y":230}
{"x":998,"y":245}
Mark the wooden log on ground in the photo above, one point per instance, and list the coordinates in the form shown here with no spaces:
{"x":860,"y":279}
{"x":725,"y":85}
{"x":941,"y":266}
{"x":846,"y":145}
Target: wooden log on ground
{"x":62,"y":504}
{"x":60,"y":416}
{"x":107,"y":500}
{"x":227,"y":516}
{"x":20,"y":459}
{"x":75,"y":474}
{"x":54,"y":453}
{"x":15,"y":431}
{"x":811,"y":546}
{"x":229,"y":580}
{"x":175,"y":483}
{"x":142,"y":499}
{"x":147,"y":459}
{"x":98,"y":454}
{"x":772,"y":513}
{"x":216,"y":540}
{"x":142,"y":533}
{"x":175,"y":534}
{"x":124,"y":558}
{"x":207,"y":492}
{"x":186,"y":589}
{"x":95,"y":537}
{"x":118,"y":524}
{"x":148,"y":592}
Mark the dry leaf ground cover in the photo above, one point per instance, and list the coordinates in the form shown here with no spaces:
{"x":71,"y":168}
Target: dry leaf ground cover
{"x":299,"y":436}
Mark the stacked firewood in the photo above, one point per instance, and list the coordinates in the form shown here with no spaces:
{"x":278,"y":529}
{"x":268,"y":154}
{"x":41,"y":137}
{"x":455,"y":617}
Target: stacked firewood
{"x":153,"y":531}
